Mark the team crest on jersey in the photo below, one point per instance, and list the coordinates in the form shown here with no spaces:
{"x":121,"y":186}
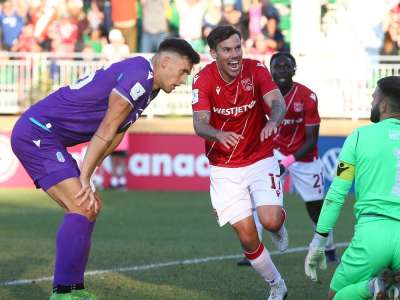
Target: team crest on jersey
{"x":247,"y":84}
{"x":195,"y":78}
{"x":298,"y":106}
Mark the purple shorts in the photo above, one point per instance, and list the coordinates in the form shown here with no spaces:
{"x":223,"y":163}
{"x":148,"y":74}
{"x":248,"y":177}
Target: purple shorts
{"x":44,"y":158}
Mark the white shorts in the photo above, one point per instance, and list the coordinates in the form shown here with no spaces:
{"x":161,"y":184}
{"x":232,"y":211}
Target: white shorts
{"x":234,"y":190}
{"x":307,"y":178}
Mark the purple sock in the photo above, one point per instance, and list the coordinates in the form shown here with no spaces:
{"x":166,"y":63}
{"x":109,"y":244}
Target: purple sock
{"x":72,"y":249}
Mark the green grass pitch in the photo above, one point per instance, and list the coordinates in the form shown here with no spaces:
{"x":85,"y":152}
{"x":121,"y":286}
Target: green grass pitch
{"x":144,"y":235}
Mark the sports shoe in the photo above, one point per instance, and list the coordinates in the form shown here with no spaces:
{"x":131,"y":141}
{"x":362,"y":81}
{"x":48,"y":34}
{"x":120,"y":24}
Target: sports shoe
{"x":244,"y":262}
{"x":278,"y":291}
{"x":379,"y":285}
{"x":331,"y":256}
{"x":280,"y":239}
{"x":84,"y":295}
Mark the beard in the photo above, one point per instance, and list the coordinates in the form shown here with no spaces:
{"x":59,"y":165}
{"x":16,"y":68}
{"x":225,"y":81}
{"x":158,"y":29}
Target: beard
{"x":375,"y":116}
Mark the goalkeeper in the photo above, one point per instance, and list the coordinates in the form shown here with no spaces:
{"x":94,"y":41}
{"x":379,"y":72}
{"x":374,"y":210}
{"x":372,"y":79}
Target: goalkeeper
{"x":371,"y":155}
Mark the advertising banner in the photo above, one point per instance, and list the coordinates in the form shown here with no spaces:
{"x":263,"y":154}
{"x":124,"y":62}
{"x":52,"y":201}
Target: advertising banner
{"x":154,"y":162}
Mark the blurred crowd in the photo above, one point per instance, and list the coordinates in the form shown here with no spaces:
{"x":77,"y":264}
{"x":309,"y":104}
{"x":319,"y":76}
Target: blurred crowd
{"x":391,"y":41}
{"x":116,"y":28}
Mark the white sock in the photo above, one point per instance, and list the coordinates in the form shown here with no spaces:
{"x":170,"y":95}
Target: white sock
{"x":261,"y":261}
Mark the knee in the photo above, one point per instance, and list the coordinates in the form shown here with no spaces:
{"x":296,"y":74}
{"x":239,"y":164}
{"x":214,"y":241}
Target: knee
{"x":274,"y":221}
{"x":91,"y":215}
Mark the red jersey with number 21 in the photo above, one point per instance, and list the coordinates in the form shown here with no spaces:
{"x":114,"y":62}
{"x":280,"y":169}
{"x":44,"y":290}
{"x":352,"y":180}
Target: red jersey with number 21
{"x":235,"y":106}
{"x":302,"y":111}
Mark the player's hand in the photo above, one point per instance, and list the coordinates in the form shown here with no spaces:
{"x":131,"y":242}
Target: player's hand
{"x":315,"y":259}
{"x":87,"y":196}
{"x":269,"y":129}
{"x":228,"y":138}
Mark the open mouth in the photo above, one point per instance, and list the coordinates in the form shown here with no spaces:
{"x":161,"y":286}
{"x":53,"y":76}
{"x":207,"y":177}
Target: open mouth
{"x":234,"y":65}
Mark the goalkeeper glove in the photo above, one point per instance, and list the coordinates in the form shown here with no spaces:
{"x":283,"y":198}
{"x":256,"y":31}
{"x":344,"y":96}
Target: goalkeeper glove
{"x":315,"y":257}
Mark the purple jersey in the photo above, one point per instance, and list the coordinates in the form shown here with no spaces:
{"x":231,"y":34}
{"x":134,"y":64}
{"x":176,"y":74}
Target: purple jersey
{"x":73,"y":113}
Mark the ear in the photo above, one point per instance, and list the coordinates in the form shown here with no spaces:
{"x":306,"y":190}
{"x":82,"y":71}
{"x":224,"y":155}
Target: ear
{"x":213,"y":53}
{"x":164,"y":60}
{"x":384,"y":106}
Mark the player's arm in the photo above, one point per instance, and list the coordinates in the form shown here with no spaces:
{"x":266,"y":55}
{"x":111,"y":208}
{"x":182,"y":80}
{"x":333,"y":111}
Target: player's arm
{"x":335,"y":197}
{"x":311,"y":140}
{"x":331,"y":209}
{"x":203,"y":128}
{"x":115,"y":142}
{"x":118,"y":110}
{"x":276,"y":103}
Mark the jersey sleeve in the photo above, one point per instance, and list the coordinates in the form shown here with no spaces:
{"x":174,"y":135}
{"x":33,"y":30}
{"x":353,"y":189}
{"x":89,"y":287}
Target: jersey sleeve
{"x":263,"y":79}
{"x":132,"y":85}
{"x":311,"y":115}
{"x":348,"y":152}
{"x":340,"y":186}
{"x":200,"y":93}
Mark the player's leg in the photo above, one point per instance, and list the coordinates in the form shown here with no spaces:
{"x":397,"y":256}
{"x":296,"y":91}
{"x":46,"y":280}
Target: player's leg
{"x":53,"y":169}
{"x":231,"y":200}
{"x":370,"y":252}
{"x":309,"y":182}
{"x":395,"y":265}
{"x":377,"y":288}
{"x":267,"y":196}
{"x":244,"y":261}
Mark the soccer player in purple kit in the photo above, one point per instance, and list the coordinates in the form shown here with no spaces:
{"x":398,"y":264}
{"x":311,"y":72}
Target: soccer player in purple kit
{"x":98,"y":108}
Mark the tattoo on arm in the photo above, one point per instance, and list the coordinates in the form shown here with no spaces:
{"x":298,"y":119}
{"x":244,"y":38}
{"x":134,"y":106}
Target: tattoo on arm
{"x":202,"y":127}
{"x":278,"y":111}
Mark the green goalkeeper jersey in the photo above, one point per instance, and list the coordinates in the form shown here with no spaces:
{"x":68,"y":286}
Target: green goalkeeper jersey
{"x":370,"y":155}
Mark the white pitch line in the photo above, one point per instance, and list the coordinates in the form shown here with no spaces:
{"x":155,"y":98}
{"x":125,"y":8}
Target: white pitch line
{"x":194,"y":261}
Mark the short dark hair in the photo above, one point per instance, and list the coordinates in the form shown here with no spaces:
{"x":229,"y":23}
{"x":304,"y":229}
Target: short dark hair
{"x":181,"y":47}
{"x":390,"y":88}
{"x":221,"y":33}
{"x":285,"y":54}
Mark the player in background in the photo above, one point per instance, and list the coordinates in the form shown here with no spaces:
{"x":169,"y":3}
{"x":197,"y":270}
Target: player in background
{"x":228,"y":98}
{"x":98,"y":108}
{"x":371,"y":157}
{"x":296,"y":143}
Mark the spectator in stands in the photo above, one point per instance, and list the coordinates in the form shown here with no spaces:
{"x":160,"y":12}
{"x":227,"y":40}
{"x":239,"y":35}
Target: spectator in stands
{"x":154,"y":24}
{"x":95,"y":41}
{"x":212,"y":17}
{"x":191,"y":13}
{"x":124,"y":16}
{"x":117,"y":49}
{"x":26,"y":41}
{"x":95,"y":15}
{"x":63,"y":33}
{"x":12,"y":21}
{"x":234,"y":17}
{"x":391,"y":40}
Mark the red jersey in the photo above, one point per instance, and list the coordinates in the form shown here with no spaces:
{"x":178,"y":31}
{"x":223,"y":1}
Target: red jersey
{"x":302,"y":111}
{"x":235,"y":106}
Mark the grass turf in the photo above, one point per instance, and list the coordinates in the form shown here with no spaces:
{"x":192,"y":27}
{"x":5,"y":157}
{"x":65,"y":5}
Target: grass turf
{"x":142,"y":228}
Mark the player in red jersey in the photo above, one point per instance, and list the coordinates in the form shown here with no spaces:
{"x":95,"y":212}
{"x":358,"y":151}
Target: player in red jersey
{"x":228,"y":99}
{"x":296,"y":142}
